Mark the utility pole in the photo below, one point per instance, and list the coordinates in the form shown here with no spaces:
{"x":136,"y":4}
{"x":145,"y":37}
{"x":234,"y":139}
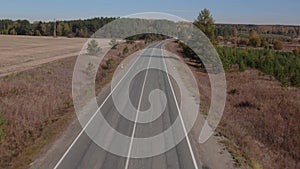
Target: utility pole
{"x":54,"y":32}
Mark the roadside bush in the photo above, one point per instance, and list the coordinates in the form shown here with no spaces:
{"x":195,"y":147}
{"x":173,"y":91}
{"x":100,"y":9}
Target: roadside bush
{"x":243,"y":42}
{"x":70,"y":35}
{"x":278,"y":45}
{"x":296,"y":51}
{"x":255,"y":42}
{"x":125,"y":50}
{"x":110,"y":62}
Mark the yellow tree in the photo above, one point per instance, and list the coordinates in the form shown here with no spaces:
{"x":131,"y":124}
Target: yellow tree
{"x":254,"y":38}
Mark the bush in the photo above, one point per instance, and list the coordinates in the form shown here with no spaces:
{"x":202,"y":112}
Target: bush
{"x":110,"y":62}
{"x":125,"y":50}
{"x":278,"y":45}
{"x":70,"y":35}
{"x":255,"y":42}
{"x":296,"y":51}
{"x":243,"y":42}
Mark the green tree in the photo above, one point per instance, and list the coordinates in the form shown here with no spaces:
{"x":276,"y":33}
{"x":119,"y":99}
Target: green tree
{"x":93,"y":47}
{"x":205,"y":23}
{"x":66,"y":29}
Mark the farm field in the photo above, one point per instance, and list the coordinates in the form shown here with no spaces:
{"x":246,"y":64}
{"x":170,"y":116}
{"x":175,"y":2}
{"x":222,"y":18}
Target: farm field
{"x":20,"y":53}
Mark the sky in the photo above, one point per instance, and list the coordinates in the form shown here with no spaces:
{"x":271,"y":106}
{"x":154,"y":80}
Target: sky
{"x":223,"y":11}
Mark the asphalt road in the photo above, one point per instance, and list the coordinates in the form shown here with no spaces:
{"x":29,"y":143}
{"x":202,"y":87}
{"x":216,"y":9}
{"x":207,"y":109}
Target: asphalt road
{"x":86,"y":154}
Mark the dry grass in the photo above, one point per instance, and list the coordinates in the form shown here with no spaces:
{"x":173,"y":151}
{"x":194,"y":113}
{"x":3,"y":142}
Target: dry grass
{"x":19,"y":49}
{"x":31,"y":101}
{"x":261,"y":120}
{"x":36,"y":105}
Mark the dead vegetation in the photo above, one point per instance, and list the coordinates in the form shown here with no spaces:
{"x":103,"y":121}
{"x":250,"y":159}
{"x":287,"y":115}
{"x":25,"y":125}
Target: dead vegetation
{"x":261,"y":121}
{"x":31,"y":101}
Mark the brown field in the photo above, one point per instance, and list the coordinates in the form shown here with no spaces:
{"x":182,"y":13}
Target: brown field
{"x":19,"y":53}
{"x":36,"y":104}
{"x":261,"y":121}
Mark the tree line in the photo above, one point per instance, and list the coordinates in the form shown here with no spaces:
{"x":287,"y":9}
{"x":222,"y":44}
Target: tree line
{"x":77,"y":28}
{"x":283,"y":65}
{"x":279,"y":32}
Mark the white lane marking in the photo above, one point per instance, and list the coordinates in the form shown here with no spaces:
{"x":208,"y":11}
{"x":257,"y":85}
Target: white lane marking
{"x":179,"y":114}
{"x":84,"y":128}
{"x":137,"y":115}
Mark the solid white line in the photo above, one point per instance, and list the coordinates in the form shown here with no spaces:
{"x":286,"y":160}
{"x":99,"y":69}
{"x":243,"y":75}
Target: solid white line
{"x":137,"y":115}
{"x":179,"y":114}
{"x":84,"y":128}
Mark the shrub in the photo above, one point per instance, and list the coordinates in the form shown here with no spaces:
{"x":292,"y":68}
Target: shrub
{"x":255,"y":42}
{"x":243,"y":41}
{"x":70,"y":35}
{"x":110,"y":62}
{"x":296,"y":51}
{"x":125,"y":50}
{"x":278,"y":45}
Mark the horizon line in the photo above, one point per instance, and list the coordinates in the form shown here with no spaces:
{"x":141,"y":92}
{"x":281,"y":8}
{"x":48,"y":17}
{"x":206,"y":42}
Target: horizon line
{"x":189,"y":21}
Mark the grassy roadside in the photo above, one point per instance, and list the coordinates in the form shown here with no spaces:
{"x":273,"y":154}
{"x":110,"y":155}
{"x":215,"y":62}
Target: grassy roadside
{"x":239,"y":157}
{"x":36,"y":106}
{"x":260,"y":124}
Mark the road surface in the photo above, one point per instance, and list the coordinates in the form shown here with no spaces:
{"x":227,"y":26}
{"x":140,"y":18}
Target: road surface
{"x":86,"y":154}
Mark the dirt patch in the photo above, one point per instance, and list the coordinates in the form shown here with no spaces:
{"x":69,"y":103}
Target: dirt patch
{"x":261,"y":118}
